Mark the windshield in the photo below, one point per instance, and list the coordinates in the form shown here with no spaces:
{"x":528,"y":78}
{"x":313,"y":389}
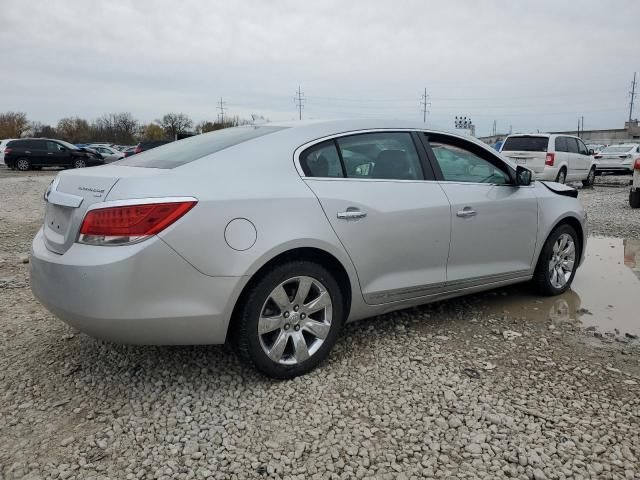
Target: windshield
{"x":68,"y":145}
{"x":526,"y":144}
{"x":619,"y":149}
{"x":184,"y":151}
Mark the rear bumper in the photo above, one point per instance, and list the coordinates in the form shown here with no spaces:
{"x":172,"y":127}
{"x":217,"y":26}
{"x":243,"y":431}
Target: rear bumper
{"x":137,"y":294}
{"x":549,"y":173}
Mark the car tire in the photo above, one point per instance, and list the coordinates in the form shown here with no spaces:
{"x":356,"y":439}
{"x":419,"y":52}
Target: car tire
{"x":557,"y":262}
{"x":23,"y":164}
{"x":591,"y":178}
{"x":280,"y":334}
{"x":79,"y":163}
{"x":634,"y":199}
{"x":562,"y":176}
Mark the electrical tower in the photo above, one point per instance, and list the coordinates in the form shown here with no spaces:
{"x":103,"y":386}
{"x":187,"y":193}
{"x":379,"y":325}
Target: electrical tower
{"x":633,"y":94}
{"x":299,"y":101}
{"x":222,"y":108}
{"x":425,"y":103}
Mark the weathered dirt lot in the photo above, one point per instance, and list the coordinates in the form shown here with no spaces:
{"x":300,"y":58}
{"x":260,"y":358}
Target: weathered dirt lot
{"x":466,"y":388}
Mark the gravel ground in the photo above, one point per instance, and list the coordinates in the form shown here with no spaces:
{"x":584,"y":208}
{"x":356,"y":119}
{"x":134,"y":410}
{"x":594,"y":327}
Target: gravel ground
{"x":450,"y":390}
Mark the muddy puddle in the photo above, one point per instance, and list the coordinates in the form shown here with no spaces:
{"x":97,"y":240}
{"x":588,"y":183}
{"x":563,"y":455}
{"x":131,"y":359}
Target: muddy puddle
{"x":605,"y":293}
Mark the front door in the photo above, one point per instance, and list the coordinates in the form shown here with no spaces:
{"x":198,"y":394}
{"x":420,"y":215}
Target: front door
{"x":393,"y":223}
{"x":493,"y":222}
{"x":56,"y":154}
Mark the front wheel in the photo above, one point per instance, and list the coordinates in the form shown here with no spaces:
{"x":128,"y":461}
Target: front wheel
{"x":290,"y":320}
{"x":634,"y":199}
{"x":558,"y":262}
{"x":79,"y":163}
{"x":591,"y":178}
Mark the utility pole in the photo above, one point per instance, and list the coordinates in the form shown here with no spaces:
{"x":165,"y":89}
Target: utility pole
{"x":582,"y":124}
{"x":221,"y":107}
{"x":495,"y":128}
{"x":578,"y":132}
{"x":633,"y":94}
{"x":425,"y":102}
{"x":299,"y":101}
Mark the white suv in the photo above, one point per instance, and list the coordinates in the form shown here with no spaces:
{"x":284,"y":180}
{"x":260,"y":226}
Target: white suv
{"x":558,"y":158}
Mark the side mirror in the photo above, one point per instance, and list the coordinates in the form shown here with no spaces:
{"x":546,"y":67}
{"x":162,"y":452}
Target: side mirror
{"x":523,"y":176}
{"x":591,"y":152}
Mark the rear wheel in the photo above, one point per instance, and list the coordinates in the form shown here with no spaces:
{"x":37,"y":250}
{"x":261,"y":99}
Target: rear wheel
{"x":558,"y":262}
{"x":591,"y":178}
{"x":23,"y":164}
{"x":79,"y":163}
{"x":562,"y":176}
{"x":290,"y":320}
{"x":634,"y":199}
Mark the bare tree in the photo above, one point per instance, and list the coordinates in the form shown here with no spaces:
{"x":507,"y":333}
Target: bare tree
{"x":13,"y":124}
{"x":74,"y":130}
{"x":42,"y":130}
{"x":208,"y":126}
{"x":175,"y":123}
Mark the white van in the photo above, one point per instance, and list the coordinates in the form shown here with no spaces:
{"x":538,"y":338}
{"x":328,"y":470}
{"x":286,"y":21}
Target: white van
{"x":559,"y":158}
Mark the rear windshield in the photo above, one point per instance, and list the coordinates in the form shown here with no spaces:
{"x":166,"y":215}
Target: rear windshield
{"x":184,"y":151}
{"x":526,"y":144}
{"x":624,"y":149}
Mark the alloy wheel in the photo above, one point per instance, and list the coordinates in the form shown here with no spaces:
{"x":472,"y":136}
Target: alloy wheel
{"x":562,"y":262}
{"x":80,"y":163}
{"x":23,"y":164}
{"x":295,"y":320}
{"x":562,"y":177}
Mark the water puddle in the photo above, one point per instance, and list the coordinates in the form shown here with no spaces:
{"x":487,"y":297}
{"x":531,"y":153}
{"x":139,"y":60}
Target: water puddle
{"x":605,"y":293}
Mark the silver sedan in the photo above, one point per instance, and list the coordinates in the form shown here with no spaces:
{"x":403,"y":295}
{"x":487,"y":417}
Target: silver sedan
{"x":273,"y":236}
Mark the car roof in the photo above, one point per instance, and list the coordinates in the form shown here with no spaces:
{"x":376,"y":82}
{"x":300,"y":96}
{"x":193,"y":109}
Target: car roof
{"x":545,"y":135}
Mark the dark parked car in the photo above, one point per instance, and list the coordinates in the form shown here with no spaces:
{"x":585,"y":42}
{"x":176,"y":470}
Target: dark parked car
{"x":28,"y":153}
{"x":129,"y":151}
{"x":148,"y":145}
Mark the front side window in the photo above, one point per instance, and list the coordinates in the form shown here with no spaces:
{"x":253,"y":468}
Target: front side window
{"x":322,"y":160}
{"x":54,"y":147}
{"x":581,"y":148}
{"x":460,"y":165}
{"x":381,"y":155}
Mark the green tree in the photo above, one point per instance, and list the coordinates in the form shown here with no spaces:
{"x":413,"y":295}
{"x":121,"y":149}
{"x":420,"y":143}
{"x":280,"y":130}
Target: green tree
{"x":153,"y":131}
{"x":13,"y":124}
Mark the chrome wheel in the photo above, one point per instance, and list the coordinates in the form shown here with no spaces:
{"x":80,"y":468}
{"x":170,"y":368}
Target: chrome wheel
{"x":295,"y":320}
{"x":79,"y":163}
{"x":562,"y":176}
{"x":23,"y":164}
{"x":562,"y":260}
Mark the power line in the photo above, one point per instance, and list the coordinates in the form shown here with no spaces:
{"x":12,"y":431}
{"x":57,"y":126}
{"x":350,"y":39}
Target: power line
{"x":633,"y":94}
{"x":221,"y":107}
{"x":425,"y":102}
{"x":299,"y":101}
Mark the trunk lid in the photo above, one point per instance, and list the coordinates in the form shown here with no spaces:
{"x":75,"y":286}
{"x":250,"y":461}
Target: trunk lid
{"x":532,"y":160}
{"x":70,"y":195}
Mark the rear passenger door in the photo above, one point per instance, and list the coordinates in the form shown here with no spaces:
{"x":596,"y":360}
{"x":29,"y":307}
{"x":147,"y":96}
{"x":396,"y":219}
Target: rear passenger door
{"x":38,"y":149}
{"x":379,"y":194}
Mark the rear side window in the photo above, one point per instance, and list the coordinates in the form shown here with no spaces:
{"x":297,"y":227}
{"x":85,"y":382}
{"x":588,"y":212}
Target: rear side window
{"x":185,"y":151}
{"x":525,"y":144}
{"x":383,"y":155}
{"x":572,"y":145}
{"x":322,"y":160}
{"x":561,"y":144}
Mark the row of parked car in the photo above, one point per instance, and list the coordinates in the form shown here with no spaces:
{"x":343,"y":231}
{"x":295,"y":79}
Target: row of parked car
{"x":35,"y":153}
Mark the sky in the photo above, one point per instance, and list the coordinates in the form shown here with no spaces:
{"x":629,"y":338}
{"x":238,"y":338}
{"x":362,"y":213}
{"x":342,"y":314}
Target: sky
{"x":526,"y":65}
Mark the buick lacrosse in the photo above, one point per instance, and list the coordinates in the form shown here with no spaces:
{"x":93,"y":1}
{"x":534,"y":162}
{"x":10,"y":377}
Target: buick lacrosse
{"x":273,"y":236}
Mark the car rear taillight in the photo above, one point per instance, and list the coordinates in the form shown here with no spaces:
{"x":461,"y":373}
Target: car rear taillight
{"x":130,"y":223}
{"x":636,"y":164}
{"x":551,"y":157}
{"x":7,"y":151}
{"x":137,"y":150}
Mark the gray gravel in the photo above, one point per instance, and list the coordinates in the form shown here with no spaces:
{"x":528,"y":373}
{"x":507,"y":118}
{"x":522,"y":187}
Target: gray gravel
{"x":442,"y":391}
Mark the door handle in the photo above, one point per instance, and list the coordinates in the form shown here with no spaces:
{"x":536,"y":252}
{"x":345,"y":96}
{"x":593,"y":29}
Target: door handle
{"x":467,"y":212}
{"x":27,"y":151}
{"x":351,"y":215}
